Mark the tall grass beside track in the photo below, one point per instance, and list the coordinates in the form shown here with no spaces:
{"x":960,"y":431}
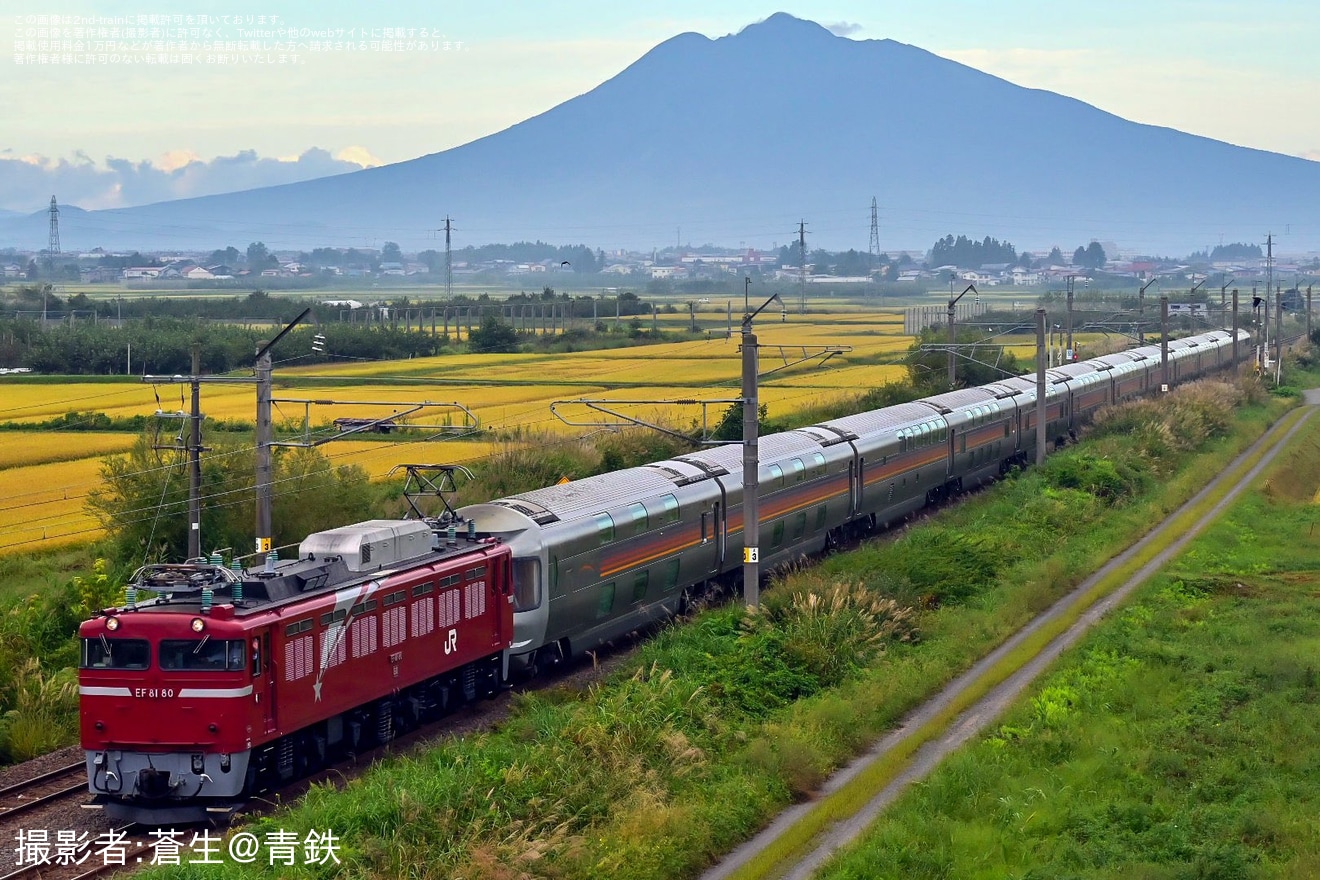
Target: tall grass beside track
{"x":1179,"y":740}
{"x":717,"y":725}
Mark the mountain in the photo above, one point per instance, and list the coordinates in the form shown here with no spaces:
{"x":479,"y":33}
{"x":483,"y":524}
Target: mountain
{"x":738,"y":138}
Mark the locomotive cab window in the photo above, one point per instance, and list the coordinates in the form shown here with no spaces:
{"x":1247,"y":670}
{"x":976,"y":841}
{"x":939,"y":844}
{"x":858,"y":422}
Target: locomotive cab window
{"x":203,"y":655}
{"x":106,"y":653}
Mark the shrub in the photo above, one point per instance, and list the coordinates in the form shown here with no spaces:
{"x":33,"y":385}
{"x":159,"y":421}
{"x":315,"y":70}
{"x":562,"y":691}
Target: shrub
{"x":1100,"y":476}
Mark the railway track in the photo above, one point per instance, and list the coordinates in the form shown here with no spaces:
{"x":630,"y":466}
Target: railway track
{"x":121,"y":849}
{"x":48,"y":788}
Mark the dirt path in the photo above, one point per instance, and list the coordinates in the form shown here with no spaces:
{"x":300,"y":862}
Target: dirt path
{"x":981,"y":714}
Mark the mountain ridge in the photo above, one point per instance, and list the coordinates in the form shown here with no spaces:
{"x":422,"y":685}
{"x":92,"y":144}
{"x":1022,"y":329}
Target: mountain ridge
{"x":736,"y":138}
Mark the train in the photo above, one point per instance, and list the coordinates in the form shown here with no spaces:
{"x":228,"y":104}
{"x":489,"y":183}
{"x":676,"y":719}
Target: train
{"x":221,"y":682}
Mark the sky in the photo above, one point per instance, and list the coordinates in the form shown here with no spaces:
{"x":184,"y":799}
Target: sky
{"x":194,"y":99}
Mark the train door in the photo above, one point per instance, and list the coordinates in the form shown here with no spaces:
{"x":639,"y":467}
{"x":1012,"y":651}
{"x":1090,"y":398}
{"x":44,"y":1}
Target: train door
{"x":950,"y":467}
{"x":857,"y":483}
{"x":721,"y":531}
{"x":263,"y":681}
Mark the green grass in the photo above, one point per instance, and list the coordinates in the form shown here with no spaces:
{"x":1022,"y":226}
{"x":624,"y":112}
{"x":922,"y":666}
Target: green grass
{"x":1180,"y":739}
{"x":717,"y":726}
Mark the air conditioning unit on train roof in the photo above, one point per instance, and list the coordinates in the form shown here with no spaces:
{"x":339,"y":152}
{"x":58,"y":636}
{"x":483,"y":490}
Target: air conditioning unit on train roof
{"x":371,"y":545}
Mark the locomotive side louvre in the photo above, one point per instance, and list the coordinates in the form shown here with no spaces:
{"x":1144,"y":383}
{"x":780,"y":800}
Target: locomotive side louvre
{"x":379,"y":637}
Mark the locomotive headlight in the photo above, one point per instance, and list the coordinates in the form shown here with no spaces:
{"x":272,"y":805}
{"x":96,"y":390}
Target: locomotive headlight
{"x":112,"y":623}
{"x":198,"y":624}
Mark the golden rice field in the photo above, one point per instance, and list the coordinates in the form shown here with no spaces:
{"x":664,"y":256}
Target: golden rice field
{"x":45,"y":476}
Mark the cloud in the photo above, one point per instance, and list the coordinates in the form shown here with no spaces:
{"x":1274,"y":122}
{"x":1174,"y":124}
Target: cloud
{"x":843,"y":28}
{"x":27,"y":182}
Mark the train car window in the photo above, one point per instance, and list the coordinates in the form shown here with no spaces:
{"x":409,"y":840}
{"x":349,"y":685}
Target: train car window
{"x":820,"y":517}
{"x":606,"y":604}
{"x":107,"y":653}
{"x":817,"y":464}
{"x":204,"y":654}
{"x":395,"y":598}
{"x":256,"y":658}
{"x":299,"y":626}
{"x":638,"y":513}
{"x":473,"y":573}
{"x":526,"y":583}
{"x":705,"y":538}
{"x":605,"y":525}
{"x":778,"y":539}
{"x":799,"y":469}
{"x":641,"y":581}
{"x":669,"y":504}
{"x":451,"y":580}
{"x":671,"y":574}
{"x":777,"y":474}
{"x":799,"y":525}
{"x":423,"y":589}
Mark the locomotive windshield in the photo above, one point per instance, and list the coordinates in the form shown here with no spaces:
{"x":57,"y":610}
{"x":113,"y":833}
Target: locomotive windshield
{"x":214,"y":655}
{"x":108,"y":653}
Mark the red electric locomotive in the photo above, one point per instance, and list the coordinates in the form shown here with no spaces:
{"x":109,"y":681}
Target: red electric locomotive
{"x":228,"y":682}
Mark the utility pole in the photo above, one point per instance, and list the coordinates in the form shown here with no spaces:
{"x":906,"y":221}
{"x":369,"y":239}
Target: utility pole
{"x":873,"y":248}
{"x":265,"y":433}
{"x":1235,"y":328}
{"x":1308,"y":313}
{"x":802,"y":269}
{"x":953,"y":332}
{"x":449,"y":262}
{"x":1269,"y":268}
{"x":1041,"y":409}
{"x":195,"y":459}
{"x":52,"y":244}
{"x":265,"y":436}
{"x":1141,"y":312}
{"x":1164,"y":343}
{"x":1278,"y":324}
{"x":751,"y":461}
{"x":1068,"y":352}
{"x":1265,"y":329}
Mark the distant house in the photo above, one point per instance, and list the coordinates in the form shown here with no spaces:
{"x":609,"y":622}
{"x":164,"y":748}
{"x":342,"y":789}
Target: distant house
{"x":1024,"y":277}
{"x":220,"y":271}
{"x":197,"y":273}
{"x":138,"y":273}
{"x":13,"y":271}
{"x":391,"y":268}
{"x":97,"y":275}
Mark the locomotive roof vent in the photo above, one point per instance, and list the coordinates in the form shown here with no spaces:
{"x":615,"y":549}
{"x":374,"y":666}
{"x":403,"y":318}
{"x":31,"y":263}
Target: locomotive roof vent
{"x":371,"y":545}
